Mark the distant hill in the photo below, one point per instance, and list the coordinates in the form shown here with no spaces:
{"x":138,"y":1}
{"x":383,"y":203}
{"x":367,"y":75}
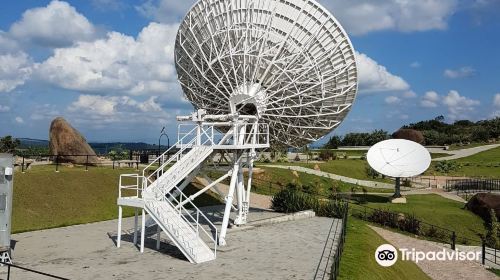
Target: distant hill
{"x":100,"y":148}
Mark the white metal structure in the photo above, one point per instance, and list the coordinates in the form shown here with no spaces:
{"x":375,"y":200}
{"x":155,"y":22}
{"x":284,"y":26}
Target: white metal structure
{"x":257,"y":71}
{"x":399,"y":158}
{"x":287,"y":61}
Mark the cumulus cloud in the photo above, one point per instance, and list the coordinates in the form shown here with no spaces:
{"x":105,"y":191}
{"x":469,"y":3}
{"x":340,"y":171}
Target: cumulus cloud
{"x":459,"y":106}
{"x":409,"y":94}
{"x":430,"y":99}
{"x":56,"y":25}
{"x":112,"y":105}
{"x":19,"y":120}
{"x":496,"y":100}
{"x":459,"y":73}
{"x":357,"y":16}
{"x":117,"y":63}
{"x":15,"y":69}
{"x":415,"y":64}
{"x":7,"y":44}
{"x":166,"y":11}
{"x":4,"y":108}
{"x":364,"y":16}
{"x":374,"y":77}
{"x":392,"y":100}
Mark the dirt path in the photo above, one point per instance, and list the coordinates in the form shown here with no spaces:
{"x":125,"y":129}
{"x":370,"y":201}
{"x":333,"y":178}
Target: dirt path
{"x":437,"y":270}
{"x":467,"y":152}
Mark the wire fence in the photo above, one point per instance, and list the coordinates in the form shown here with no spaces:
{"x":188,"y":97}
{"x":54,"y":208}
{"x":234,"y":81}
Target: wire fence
{"x":12,"y":267}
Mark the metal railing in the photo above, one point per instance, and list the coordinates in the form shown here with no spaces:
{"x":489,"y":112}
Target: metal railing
{"x":490,"y":254}
{"x":222,"y":135}
{"x":472,"y":185}
{"x":340,"y":246}
{"x":10,"y":266}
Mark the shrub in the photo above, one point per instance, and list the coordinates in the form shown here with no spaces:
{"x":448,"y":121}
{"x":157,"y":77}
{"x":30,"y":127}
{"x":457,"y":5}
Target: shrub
{"x":325,"y":155}
{"x":406,"y":183}
{"x":370,"y":172}
{"x":446,"y":166}
{"x":291,"y":200}
{"x":409,"y":224}
{"x":493,"y":232}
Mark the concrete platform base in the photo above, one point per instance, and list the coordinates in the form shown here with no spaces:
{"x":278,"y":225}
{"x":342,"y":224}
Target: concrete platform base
{"x":401,"y":200}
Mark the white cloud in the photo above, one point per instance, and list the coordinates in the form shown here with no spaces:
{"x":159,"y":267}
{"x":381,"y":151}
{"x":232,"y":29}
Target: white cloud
{"x":166,"y":11}
{"x":4,"y":108}
{"x":459,"y":106}
{"x":430,"y":99}
{"x":415,"y":64}
{"x":496,"y":100}
{"x":56,"y":25}
{"x":15,"y":69}
{"x":392,"y":100}
{"x":357,"y":16}
{"x":409,"y":94}
{"x":108,"y":5}
{"x":112,"y":105}
{"x":462,"y":72}
{"x":118,"y":63}
{"x":364,"y":16}
{"x":7,"y":44}
{"x":374,"y":77}
{"x":19,"y":120}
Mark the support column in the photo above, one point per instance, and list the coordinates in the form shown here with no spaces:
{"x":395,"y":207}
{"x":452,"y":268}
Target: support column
{"x":250,"y":174}
{"x":143,"y":230}
{"x":240,"y":193}
{"x":158,"y":233}
{"x":135,"y":226}
{"x":119,"y":235}
{"x":229,"y":200}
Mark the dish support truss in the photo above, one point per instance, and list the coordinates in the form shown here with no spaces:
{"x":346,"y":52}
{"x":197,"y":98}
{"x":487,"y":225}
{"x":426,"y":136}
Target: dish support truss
{"x":159,"y":190}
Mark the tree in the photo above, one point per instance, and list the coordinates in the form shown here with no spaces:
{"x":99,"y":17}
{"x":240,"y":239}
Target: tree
{"x":9,"y":144}
{"x":493,"y":230}
{"x":333,"y":143}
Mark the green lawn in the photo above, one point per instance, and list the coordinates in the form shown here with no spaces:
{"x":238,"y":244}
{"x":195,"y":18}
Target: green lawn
{"x":439,"y":155}
{"x":454,"y":147}
{"x":484,"y":164}
{"x":436,"y":210}
{"x":273,"y":179}
{"x":46,"y":199}
{"x":353,"y":168}
{"x":358,"y":258}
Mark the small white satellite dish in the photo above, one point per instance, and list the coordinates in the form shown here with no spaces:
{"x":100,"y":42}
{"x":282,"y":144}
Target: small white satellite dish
{"x":399,"y":158}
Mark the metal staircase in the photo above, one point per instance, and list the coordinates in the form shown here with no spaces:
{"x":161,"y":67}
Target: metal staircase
{"x":158,"y":191}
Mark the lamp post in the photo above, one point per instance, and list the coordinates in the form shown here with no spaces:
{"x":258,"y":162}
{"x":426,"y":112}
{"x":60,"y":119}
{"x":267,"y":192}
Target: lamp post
{"x":162,"y":133}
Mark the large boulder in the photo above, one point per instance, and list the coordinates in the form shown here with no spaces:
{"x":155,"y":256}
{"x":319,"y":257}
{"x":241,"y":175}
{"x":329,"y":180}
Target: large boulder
{"x":69,"y":144}
{"x":409,"y":134}
{"x":482,"y":203}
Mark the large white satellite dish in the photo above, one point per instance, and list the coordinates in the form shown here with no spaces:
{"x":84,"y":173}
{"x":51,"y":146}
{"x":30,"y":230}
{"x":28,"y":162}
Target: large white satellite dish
{"x":288,"y":62}
{"x":399,"y":158}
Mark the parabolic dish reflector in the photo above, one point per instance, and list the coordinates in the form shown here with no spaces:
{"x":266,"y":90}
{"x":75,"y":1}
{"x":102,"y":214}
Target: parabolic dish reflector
{"x":287,"y":61}
{"x":399,"y":158}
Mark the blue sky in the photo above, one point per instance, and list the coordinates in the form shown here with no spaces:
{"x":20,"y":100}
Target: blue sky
{"x":107,"y":65}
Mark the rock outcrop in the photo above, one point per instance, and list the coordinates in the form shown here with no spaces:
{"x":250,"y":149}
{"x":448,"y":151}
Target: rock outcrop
{"x":482,"y":203}
{"x":409,"y":134}
{"x":69,"y":144}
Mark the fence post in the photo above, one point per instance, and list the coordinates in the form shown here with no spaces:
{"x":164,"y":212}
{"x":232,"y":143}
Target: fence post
{"x":57,"y":163}
{"x":22,"y":166}
{"x":453,"y":240}
{"x":87,"y":163}
{"x":483,"y":251}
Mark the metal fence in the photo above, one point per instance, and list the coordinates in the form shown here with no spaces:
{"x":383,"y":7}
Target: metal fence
{"x":490,"y":255}
{"x":409,"y":223}
{"x":472,"y":185}
{"x":340,"y":246}
{"x":10,"y":270}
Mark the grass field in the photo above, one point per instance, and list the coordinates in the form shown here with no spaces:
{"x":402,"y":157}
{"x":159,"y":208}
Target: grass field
{"x":358,"y":261}
{"x":352,"y":168}
{"x":436,"y":210}
{"x":46,"y":199}
{"x":484,"y":164}
{"x":273,"y":179}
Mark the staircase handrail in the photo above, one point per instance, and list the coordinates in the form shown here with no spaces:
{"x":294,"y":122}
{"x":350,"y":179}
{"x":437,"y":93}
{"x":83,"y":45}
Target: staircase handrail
{"x":199,"y":213}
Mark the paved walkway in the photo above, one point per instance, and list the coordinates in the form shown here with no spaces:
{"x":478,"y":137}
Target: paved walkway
{"x":437,"y":270}
{"x":370,"y":184}
{"x":289,"y":250}
{"x":426,"y":191}
{"x":467,"y":152}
